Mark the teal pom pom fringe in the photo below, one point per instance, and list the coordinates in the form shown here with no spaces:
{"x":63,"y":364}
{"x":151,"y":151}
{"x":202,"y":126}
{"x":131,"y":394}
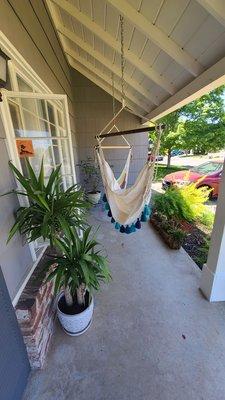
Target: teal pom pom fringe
{"x":128,"y":229}
{"x":138,"y":224}
{"x":117,"y":225}
{"x":144,"y":217}
{"x":133,"y":229}
{"x":104,"y":198}
{"x":146,"y":210}
{"x":107,"y":206}
{"x":122,"y":229}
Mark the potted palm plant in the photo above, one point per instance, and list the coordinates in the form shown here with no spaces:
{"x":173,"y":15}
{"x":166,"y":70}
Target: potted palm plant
{"x":78,"y":270}
{"x":91,"y":178}
{"x":50,"y":209}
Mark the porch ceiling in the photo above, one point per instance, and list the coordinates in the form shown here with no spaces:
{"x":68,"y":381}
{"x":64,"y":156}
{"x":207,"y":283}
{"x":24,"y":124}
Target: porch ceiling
{"x":174,"y":49}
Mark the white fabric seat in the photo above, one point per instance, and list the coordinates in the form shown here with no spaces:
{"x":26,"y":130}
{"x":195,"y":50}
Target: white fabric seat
{"x":126,"y":205}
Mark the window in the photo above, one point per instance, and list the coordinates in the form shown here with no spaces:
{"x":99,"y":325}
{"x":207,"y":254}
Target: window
{"x":37,"y":125}
{"x":208,"y":168}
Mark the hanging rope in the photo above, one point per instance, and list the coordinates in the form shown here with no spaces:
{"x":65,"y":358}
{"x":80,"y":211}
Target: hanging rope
{"x":122,"y":59}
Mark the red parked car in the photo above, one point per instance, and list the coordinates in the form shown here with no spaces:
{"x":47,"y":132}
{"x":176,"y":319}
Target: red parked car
{"x":208,"y":173}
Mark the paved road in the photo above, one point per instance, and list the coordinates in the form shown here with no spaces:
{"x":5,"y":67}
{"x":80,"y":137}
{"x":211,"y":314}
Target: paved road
{"x":186,"y":161}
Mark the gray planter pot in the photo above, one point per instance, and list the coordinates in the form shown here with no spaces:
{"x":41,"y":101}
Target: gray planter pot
{"x":94,"y":198}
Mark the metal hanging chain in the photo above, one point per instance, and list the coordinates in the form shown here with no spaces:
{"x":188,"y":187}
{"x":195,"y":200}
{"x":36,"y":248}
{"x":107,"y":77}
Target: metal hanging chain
{"x":122,"y":59}
{"x":113,"y":97}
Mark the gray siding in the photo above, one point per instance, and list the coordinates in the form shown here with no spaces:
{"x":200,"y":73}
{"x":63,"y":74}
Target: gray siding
{"x":93,"y":110}
{"x":15,"y":259}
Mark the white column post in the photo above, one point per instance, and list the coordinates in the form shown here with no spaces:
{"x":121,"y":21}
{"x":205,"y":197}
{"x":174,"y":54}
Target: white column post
{"x":213,"y":273}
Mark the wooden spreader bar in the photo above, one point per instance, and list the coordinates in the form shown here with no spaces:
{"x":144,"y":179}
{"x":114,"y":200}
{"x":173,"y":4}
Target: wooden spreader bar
{"x":122,"y":133}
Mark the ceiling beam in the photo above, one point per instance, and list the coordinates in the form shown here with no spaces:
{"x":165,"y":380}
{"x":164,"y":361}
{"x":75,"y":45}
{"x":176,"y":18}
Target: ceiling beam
{"x":104,"y":60}
{"x":112,"y":42}
{"x":153,"y":33}
{"x":103,"y":76}
{"x":216,"y":8}
{"x":210,"y":79}
{"x":97,"y":81}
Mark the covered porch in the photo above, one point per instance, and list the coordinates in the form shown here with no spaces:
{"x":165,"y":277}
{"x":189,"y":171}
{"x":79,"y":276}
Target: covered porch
{"x":154,"y":336}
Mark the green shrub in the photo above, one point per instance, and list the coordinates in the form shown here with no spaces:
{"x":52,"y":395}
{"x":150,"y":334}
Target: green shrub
{"x":195,"y":198}
{"x":203,"y":252}
{"x":172,"y":205}
{"x":207,"y":219}
{"x":185,"y":203}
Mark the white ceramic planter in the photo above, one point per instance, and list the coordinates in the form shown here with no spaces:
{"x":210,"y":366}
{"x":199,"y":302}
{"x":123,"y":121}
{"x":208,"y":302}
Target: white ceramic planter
{"x":94,"y":197}
{"x":75,"y":325}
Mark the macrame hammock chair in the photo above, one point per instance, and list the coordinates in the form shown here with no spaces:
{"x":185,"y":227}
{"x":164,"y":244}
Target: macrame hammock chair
{"x":127,"y":207}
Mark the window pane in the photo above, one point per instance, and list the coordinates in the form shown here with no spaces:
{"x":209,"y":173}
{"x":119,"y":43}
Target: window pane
{"x":69,"y":181}
{"x":22,"y":85}
{"x":56,"y":144}
{"x":42,"y":149}
{"x":66,"y":157}
{"x":16,"y":119}
{"x":51,"y":115}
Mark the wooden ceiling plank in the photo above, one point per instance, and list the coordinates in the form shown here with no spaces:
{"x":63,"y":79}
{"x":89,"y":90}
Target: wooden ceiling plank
{"x":157,"y":36}
{"x":95,"y":79}
{"x":210,"y":79}
{"x":216,"y":8}
{"x":112,"y":42}
{"x":103,"y":76}
{"x":99,"y":56}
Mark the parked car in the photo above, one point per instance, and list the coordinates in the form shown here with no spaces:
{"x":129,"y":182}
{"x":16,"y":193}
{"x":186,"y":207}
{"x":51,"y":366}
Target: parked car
{"x":177,"y":152}
{"x":208,"y":174}
{"x":157,"y":158}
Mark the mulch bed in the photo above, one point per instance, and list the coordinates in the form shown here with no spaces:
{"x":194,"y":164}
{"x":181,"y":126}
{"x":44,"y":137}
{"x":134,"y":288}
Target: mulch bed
{"x":194,"y":241}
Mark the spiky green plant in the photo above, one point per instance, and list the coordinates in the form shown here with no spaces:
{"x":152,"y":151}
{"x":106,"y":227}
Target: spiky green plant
{"x":185,"y":203}
{"x":51,"y":209}
{"x":79,"y":267}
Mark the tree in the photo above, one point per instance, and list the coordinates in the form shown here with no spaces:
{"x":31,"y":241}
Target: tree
{"x":204,"y":123}
{"x":198,"y":126}
{"x":171,"y":137}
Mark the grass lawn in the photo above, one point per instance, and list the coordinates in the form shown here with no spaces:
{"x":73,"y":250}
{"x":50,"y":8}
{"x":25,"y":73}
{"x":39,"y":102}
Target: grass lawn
{"x":162,"y":170}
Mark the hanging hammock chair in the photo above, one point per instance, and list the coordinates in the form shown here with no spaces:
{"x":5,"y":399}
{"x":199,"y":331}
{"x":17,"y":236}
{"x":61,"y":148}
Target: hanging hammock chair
{"x":127,"y":207}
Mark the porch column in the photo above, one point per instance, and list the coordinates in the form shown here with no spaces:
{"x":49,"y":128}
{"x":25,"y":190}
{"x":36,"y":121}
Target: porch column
{"x":213,"y":273}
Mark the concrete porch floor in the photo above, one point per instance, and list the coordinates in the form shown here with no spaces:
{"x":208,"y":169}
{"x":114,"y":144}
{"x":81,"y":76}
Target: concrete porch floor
{"x":153,"y":337}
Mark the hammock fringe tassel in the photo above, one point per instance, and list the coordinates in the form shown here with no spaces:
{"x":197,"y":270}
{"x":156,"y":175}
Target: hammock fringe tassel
{"x":145,"y":215}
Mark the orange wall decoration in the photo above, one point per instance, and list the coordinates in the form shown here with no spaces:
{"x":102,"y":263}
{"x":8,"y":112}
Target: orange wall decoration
{"x":25,"y":148}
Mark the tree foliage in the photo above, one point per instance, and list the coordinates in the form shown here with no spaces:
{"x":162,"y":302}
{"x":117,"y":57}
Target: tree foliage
{"x":198,"y":126}
{"x":171,"y":138}
{"x":204,"y":125}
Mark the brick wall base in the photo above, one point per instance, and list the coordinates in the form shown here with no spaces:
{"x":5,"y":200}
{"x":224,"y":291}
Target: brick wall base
{"x":36,"y":313}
